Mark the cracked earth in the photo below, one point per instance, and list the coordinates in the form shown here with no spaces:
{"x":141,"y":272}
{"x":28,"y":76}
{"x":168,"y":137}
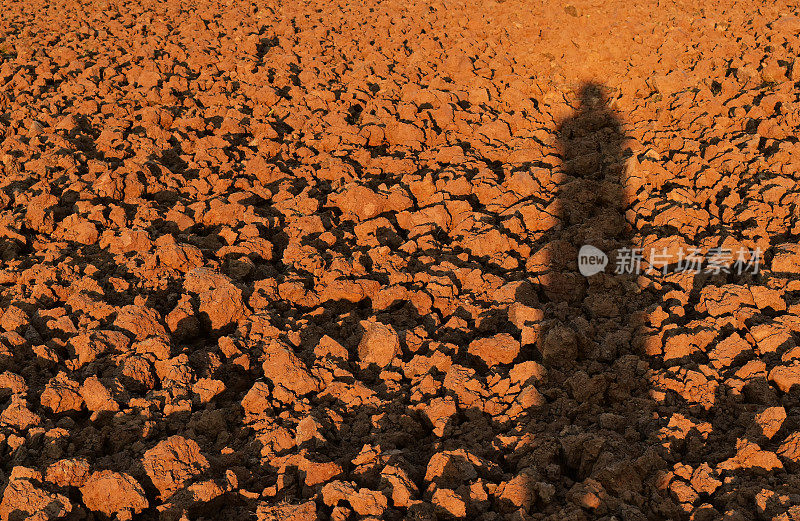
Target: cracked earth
{"x":301,"y":260}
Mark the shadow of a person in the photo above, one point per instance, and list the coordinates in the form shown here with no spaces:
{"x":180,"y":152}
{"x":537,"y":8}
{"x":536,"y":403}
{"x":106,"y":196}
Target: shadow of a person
{"x":597,"y":427}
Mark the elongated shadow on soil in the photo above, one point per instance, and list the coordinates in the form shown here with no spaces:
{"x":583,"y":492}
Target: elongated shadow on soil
{"x":594,"y":437}
{"x":601,"y":432}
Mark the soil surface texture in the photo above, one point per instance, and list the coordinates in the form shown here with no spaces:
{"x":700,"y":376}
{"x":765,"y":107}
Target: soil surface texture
{"x":320,"y":260}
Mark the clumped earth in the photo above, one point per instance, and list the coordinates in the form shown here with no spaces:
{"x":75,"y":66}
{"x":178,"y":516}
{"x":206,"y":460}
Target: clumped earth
{"x":302,"y":260}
